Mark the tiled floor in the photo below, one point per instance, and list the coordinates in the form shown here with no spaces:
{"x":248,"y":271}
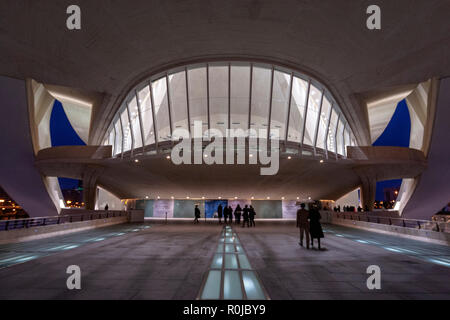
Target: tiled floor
{"x":171,"y":261}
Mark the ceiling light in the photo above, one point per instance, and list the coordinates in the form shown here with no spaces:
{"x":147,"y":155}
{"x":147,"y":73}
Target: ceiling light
{"x":168,"y":157}
{"x":298,"y":198}
{"x":172,"y":197}
{"x":282,"y":198}
{"x":253,"y":198}
{"x":268,"y":198}
{"x":187,"y":197}
{"x":136,"y":160}
{"x":289,"y":158}
{"x":321,"y":161}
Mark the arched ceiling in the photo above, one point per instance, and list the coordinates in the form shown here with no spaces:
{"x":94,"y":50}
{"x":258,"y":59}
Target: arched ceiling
{"x":121,"y":43}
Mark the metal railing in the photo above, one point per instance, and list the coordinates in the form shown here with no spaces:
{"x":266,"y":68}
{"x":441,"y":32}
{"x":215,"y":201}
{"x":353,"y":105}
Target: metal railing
{"x":400,"y":222}
{"x":55,"y":220}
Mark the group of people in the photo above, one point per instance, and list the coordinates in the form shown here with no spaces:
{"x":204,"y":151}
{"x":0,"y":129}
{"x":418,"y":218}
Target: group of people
{"x":308,"y":221}
{"x":248,"y":215}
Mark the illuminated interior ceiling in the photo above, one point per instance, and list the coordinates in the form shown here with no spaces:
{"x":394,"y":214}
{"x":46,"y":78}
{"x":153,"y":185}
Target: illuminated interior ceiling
{"x":230,"y":95}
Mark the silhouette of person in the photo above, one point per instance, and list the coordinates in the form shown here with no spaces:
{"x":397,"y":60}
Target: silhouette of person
{"x":106,"y":207}
{"x":245,"y":216}
{"x":230,"y":214}
{"x":303,"y":224}
{"x":219,"y":213}
{"x":251,"y":216}
{"x":197,"y":214}
{"x":237,"y":214}
{"x":315,"y":228}
{"x":225,"y":214}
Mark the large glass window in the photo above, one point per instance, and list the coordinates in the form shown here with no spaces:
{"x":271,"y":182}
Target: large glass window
{"x":218,"y":97}
{"x":240,"y":96}
{"x":346,"y":139}
{"x":161,"y":109}
{"x":198,"y":106}
{"x":331,"y":142}
{"x":323,"y":123}
{"x":127,"y":140}
{"x":280,"y":101}
{"x":146,"y":115}
{"x":135,"y":123}
{"x":178,"y":101}
{"x":118,"y":128}
{"x":262,"y":78}
{"x":315,"y":96}
{"x":297,"y":114}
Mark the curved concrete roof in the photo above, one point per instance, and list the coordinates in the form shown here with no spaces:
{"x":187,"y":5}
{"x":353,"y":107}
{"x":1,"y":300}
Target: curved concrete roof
{"x":123,"y":43}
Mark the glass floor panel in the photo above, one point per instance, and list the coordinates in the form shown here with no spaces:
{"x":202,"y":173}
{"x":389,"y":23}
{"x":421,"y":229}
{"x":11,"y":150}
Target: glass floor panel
{"x":231,"y":275}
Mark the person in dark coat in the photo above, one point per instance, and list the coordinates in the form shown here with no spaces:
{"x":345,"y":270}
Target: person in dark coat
{"x":197,"y":214}
{"x":303,"y":224}
{"x":225,"y":214}
{"x":315,"y":228}
{"x":237,"y":214}
{"x":230,"y":214}
{"x":251,"y":216}
{"x":219,"y":213}
{"x":245,"y":216}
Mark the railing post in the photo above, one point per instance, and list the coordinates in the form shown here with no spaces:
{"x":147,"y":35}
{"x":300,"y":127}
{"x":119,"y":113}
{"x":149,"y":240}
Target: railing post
{"x":390,"y":222}
{"x":70,"y":219}
{"x":82,"y":216}
{"x":59,"y":220}
{"x":437,"y":227}
{"x":7,"y":224}
{"x":378,"y":220}
{"x":418,"y":223}
{"x":43,"y":222}
{"x":404,"y":223}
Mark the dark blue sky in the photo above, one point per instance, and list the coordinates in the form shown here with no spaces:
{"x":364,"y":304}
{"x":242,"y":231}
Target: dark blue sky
{"x":63,"y":134}
{"x":396,"y":134}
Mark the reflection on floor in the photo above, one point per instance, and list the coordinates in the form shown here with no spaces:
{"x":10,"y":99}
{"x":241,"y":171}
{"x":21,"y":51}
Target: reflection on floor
{"x":231,"y":276}
{"x":15,"y":253}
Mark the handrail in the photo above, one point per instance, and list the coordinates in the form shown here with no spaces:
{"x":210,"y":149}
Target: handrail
{"x":12,"y":224}
{"x":401,"y":222}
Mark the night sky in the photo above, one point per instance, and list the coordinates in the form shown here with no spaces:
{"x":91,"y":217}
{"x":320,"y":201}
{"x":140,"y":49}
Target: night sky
{"x":397,"y":133}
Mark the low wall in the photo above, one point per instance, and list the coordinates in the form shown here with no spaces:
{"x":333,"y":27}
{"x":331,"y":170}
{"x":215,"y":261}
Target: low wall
{"x":442,"y":238}
{"x":41,"y":232}
{"x":209,"y":221}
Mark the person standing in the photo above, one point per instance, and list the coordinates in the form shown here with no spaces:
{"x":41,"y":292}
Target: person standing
{"x":245,"y":216}
{"x":219,"y":213}
{"x":230,"y":214}
{"x":106,"y":207}
{"x":225,"y":214}
{"x":251,"y":216}
{"x":303,"y":224}
{"x":197,"y":214}
{"x":315,"y":228}
{"x":237,"y":214}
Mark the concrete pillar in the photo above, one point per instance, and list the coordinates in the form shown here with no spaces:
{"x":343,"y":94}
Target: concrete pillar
{"x":368,"y":187}
{"x":90,"y":177}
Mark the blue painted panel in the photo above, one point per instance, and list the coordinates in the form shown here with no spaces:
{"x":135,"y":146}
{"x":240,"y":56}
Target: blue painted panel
{"x":212,"y":205}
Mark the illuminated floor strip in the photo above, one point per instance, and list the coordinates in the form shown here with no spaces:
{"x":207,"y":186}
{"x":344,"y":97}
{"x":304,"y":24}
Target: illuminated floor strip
{"x":12,"y":254}
{"x":231,"y":276}
{"x":436,"y":254}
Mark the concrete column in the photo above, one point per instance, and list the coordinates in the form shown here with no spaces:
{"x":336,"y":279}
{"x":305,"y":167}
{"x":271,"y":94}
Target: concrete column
{"x":368,"y":187}
{"x":90,"y":177}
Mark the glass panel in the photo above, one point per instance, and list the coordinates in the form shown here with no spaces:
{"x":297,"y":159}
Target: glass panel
{"x":161,"y":109}
{"x":346,"y":139}
{"x":229,"y":248}
{"x":260,"y":98}
{"x":332,"y":131}
{"x":252,"y":286}
{"x":218,"y":97}
{"x":231,"y":261}
{"x":133,"y":108}
{"x":147,"y":116}
{"x":280,"y":101}
{"x":240,"y":96}
{"x":178,"y":101}
{"x":232,"y":286}
{"x":198,"y":106}
{"x":323,"y":123}
{"x":111,"y":139}
{"x":220,"y":248}
{"x":212,"y":286}
{"x":118,"y":147}
{"x":299,"y":89}
{"x":217,"y":262}
{"x":339,"y":138}
{"x":315,"y":96}
{"x":243,"y":261}
{"x":127,"y":141}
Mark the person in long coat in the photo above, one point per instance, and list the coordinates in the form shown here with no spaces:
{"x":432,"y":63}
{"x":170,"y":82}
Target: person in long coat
{"x":251,"y":216}
{"x":245,"y":215}
{"x":315,"y":228}
{"x":219,"y":213}
{"x":230,"y":214}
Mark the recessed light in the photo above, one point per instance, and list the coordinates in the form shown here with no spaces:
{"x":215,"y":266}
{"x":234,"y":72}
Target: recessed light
{"x":187,"y":197}
{"x":268,"y":198}
{"x":146,"y":197}
{"x":168,"y":157}
{"x":159,"y":197}
{"x":220,"y":198}
{"x":136,"y":160}
{"x":309,"y":198}
{"x":251,"y":156}
{"x":172,"y":197}
{"x":321,"y":161}
{"x":206,"y":156}
{"x":203,"y":197}
{"x":253,"y":198}
{"x":235,"y":198}
{"x":289,"y":158}
{"x":282,"y":198}
{"x":298,"y":198}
